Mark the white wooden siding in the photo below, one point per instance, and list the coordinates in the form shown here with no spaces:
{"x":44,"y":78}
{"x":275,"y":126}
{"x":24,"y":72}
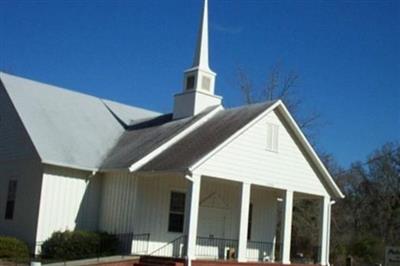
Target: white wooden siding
{"x":138,"y":205}
{"x":69,"y":200}
{"x":247,"y":159}
{"x":141,"y":205}
{"x":28,"y":174}
{"x":118,"y":203}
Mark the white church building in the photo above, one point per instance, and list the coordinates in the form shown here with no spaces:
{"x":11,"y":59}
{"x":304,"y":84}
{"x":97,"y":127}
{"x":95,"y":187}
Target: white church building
{"x":199,"y":183}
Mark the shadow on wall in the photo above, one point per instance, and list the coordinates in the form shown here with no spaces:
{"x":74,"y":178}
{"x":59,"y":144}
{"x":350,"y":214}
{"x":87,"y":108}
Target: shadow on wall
{"x":88,"y":213}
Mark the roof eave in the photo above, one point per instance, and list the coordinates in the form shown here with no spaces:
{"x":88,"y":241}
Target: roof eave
{"x":308,"y":147}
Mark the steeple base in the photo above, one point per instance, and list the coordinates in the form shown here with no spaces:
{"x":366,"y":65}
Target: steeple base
{"x":191,"y":103}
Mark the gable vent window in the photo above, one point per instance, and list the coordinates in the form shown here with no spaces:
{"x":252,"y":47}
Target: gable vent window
{"x":272,"y":137}
{"x":11,"y":196}
{"x":176,"y":212}
{"x":206,"y":83}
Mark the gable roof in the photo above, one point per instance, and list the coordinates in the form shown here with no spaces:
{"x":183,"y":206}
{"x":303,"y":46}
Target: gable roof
{"x":143,"y":138}
{"x":80,"y":131}
{"x":221,"y":128}
{"x":194,"y":146}
{"x":69,"y":128}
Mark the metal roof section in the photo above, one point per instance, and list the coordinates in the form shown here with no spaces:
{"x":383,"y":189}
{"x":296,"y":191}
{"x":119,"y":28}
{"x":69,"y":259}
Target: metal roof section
{"x":68,"y":128}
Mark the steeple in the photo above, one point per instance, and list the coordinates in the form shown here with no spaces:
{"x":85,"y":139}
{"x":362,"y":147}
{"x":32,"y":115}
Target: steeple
{"x":199,"y":80}
{"x":200,"y":59}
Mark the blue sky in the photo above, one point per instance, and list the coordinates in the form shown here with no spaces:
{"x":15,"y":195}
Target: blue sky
{"x":346,"y":52}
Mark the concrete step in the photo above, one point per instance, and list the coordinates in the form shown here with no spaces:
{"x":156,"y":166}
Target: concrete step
{"x":163,"y":260}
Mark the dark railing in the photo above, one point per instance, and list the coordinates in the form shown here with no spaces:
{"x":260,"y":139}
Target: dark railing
{"x":174,"y":248}
{"x":216,"y":248}
{"x":260,"y":251}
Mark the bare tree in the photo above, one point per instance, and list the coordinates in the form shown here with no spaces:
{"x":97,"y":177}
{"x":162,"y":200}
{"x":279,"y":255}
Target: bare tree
{"x":281,"y":85}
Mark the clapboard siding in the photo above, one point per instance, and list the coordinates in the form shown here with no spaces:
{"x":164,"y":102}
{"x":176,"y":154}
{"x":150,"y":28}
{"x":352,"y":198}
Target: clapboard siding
{"x":246,"y":158}
{"x":28,"y":174}
{"x":69,"y":200}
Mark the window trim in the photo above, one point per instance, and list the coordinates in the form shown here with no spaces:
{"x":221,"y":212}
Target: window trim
{"x":170,"y":211}
{"x":11,"y":199}
{"x":273,"y":129}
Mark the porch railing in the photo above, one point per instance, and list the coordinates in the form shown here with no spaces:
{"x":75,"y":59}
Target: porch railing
{"x":174,"y":248}
{"x":260,"y":251}
{"x":216,"y":248}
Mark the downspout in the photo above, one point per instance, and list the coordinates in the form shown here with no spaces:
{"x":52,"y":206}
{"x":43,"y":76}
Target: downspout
{"x":188,"y":175}
{"x":328,"y":244}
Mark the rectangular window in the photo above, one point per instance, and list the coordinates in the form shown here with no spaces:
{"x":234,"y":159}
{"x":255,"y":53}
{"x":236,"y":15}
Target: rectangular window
{"x":272,"y":137}
{"x":250,"y":221}
{"x":11,"y":196}
{"x":190,"y":82}
{"x":176,"y":212}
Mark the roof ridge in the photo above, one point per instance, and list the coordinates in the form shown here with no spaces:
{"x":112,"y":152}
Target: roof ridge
{"x":71,"y":91}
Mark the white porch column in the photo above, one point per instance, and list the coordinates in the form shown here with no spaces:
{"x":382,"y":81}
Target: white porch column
{"x":192,"y":210}
{"x":324,"y":231}
{"x":328,"y":245}
{"x":244,"y":222}
{"x":286,"y":228}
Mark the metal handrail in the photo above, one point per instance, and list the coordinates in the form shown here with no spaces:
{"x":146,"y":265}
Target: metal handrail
{"x":140,"y":243}
{"x":260,"y":250}
{"x":216,"y":248}
{"x":174,"y":248}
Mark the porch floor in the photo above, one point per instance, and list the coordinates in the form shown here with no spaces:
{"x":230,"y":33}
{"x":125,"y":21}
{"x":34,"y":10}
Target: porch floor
{"x":166,"y":261}
{"x":233,"y":263}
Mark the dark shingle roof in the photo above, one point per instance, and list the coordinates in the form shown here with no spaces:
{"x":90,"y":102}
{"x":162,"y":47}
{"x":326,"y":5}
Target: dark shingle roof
{"x":143,"y":138}
{"x":205,"y":138}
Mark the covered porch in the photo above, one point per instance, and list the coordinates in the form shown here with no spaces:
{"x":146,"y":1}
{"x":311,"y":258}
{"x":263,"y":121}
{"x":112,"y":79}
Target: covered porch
{"x":211,"y":219}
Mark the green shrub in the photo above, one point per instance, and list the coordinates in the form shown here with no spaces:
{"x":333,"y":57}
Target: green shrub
{"x":12,"y":248}
{"x":70,"y":245}
{"x":368,"y":249}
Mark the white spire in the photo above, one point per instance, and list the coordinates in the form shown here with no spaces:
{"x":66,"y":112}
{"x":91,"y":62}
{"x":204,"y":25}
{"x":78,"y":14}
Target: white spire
{"x":201,"y":54}
{"x":199,"y":80}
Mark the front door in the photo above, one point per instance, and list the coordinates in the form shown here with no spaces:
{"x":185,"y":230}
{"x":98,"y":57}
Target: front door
{"x":211,"y":222}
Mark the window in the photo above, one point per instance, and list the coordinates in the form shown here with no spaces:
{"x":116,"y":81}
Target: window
{"x":250,"y":221}
{"x":190,"y":83}
{"x":206,"y":83}
{"x":272,"y":137}
{"x":176,"y":212}
{"x":12,"y":194}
